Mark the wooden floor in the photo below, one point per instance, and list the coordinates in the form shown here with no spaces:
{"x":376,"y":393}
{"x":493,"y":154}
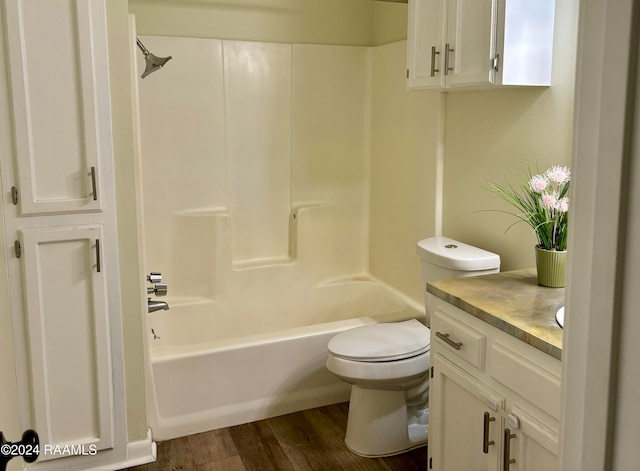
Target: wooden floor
{"x":307,"y":440}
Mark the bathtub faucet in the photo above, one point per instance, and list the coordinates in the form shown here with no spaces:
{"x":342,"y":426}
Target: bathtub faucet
{"x":159,"y":289}
{"x":154,"y":306}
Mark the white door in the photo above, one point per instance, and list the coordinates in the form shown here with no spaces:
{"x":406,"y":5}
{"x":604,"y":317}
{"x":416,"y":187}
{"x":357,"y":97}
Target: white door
{"x":471,"y":42}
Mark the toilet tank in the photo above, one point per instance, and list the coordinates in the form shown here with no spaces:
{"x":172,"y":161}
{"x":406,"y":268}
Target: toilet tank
{"x":443,"y":258}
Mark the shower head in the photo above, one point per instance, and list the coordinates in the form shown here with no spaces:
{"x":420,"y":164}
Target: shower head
{"x":152,"y":61}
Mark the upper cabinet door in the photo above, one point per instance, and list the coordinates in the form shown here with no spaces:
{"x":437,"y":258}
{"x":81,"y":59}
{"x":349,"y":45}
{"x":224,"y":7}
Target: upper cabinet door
{"x":424,"y":44}
{"x":60,"y":103}
{"x":470,"y":46}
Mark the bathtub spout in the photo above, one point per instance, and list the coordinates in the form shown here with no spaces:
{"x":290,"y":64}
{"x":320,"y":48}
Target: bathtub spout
{"x":154,"y":306}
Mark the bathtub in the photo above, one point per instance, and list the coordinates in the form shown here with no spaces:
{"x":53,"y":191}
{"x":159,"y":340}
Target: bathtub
{"x":215,"y":364}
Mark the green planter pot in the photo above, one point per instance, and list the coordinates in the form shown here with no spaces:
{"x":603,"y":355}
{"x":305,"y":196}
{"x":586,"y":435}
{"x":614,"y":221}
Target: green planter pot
{"x":551,"y":267}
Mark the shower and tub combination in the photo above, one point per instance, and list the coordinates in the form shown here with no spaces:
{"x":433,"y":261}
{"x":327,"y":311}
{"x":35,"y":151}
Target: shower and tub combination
{"x":254,"y":188}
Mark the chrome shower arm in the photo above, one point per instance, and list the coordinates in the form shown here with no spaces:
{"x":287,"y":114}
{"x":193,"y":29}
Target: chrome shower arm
{"x":144,"y":50}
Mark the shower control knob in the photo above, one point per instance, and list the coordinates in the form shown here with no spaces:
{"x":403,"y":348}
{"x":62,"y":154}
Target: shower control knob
{"x":159,"y":289}
{"x":154,"y":277}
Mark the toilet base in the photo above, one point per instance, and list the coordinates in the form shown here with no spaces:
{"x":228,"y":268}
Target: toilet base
{"x":379,"y":424}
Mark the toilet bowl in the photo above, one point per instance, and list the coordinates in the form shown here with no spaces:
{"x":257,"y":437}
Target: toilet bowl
{"x":387,"y":366}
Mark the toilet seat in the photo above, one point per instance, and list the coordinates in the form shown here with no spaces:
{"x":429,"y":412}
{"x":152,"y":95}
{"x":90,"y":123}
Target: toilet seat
{"x":386,"y":342}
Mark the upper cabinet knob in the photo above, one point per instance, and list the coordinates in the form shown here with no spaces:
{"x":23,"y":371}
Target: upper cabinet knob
{"x":154,"y":277}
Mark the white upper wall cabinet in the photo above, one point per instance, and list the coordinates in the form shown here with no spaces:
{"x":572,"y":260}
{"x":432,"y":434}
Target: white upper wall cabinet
{"x":479,"y":43}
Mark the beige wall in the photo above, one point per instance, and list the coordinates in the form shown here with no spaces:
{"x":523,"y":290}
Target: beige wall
{"x":490,"y":134}
{"x":290,"y":21}
{"x":404,"y":132}
{"x":389,"y":22}
{"x":130,"y":283}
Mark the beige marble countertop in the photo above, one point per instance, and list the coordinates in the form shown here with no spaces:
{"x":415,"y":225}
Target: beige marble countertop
{"x":511,"y":301}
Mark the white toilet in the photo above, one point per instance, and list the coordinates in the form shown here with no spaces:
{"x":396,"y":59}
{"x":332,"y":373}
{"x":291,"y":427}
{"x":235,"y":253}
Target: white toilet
{"x":387,"y":363}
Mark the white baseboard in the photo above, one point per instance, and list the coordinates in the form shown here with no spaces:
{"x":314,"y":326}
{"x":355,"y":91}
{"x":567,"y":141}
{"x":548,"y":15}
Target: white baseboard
{"x":141,"y":452}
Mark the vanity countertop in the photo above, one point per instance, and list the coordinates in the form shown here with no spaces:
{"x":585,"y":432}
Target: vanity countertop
{"x":510,"y":301}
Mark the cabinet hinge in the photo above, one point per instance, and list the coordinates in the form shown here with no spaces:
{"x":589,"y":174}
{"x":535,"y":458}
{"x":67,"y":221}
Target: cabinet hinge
{"x":432,"y":371}
{"x":14,"y":195}
{"x":18,"y":248}
{"x":407,"y":73}
{"x":496,"y":62}
{"x":430,"y":463}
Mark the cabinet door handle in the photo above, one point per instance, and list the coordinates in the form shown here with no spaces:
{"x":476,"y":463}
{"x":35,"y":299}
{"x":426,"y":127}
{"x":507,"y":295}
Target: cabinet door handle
{"x":94,"y":184}
{"x":507,"y":449}
{"x":98,"y":264}
{"x":448,"y":341}
{"x":434,"y":53}
{"x":485,"y":436}
{"x":447,"y":50}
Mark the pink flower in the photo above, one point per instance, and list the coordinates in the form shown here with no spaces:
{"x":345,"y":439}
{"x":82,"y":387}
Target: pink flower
{"x":549,"y":201}
{"x":558,"y":174}
{"x":563,"y":205}
{"x":538,"y":183}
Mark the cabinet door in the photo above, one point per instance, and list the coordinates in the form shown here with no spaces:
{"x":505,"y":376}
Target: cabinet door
{"x":60,"y":102}
{"x":470,"y":47}
{"x":460,"y":437}
{"x":424,"y":43}
{"x":532,"y":446}
{"x":68,"y":336}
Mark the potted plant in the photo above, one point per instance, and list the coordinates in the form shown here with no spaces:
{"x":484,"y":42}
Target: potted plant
{"x":543,"y":203}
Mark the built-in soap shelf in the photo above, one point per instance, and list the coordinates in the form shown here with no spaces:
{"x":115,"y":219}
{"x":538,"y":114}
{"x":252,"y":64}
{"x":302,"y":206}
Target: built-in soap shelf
{"x":353,"y":278}
{"x":298,"y":208}
{"x":203,"y":269}
{"x":297,"y":211}
{"x":203,"y":212}
{"x":262,"y":263}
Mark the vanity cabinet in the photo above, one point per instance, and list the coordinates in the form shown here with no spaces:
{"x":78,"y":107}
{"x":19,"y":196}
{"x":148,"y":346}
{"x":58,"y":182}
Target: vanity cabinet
{"x":58,"y":201}
{"x":479,"y":43}
{"x":494,"y":400}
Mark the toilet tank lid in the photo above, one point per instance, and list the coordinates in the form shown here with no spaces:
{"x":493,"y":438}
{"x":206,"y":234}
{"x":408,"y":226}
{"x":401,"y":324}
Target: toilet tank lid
{"x":455,"y":255}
